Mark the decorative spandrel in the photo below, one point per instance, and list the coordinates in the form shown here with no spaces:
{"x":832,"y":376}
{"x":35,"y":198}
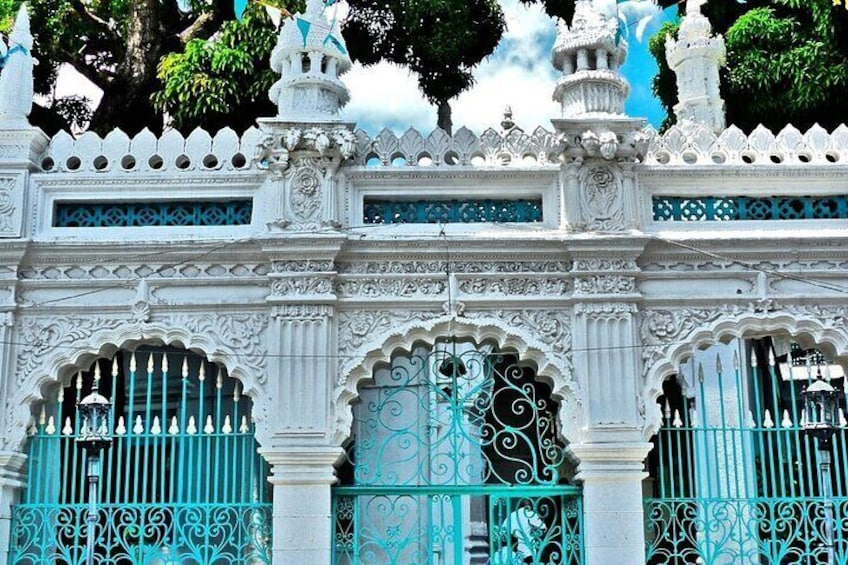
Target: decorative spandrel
{"x":455,"y":415}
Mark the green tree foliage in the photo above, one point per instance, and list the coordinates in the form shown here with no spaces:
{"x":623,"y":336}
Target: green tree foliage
{"x":222,"y":81}
{"x":441,"y":41}
{"x":787,"y":63}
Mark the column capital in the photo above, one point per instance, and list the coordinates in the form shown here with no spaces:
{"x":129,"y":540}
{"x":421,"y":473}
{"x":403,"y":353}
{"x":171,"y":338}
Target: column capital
{"x":610,"y":461}
{"x":307,"y":465}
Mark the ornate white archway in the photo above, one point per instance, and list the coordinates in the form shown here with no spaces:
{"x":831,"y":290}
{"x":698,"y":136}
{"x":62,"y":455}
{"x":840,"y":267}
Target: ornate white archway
{"x":670,"y":336}
{"x":52,"y":348}
{"x":367,"y":339}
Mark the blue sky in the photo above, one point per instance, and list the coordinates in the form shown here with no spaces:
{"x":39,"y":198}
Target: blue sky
{"x":519,"y":73}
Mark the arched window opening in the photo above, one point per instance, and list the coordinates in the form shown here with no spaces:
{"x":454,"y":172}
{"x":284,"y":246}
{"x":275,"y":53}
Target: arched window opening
{"x":455,"y":458}
{"x":181,"y":482}
{"x":734,"y":478}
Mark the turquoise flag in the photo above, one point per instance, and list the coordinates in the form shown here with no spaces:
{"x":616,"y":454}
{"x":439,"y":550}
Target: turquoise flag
{"x":239,"y":6}
{"x":332,"y":39}
{"x":304,"y":26}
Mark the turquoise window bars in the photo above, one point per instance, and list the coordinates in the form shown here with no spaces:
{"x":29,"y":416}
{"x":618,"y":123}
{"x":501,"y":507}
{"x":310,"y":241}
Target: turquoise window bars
{"x":455,"y":459}
{"x":182,"y":482}
{"x":734,"y":477}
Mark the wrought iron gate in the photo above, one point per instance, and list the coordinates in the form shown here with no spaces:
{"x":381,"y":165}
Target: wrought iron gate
{"x":182,"y":482}
{"x":735,"y":479}
{"x":455,"y":460}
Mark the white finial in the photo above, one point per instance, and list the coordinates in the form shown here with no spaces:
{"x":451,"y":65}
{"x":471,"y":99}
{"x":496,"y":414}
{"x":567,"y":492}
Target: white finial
{"x":79,"y":381}
{"x":156,"y":428}
{"x":244,"y":428}
{"x":227,"y":428}
{"x":68,"y":429}
{"x":121,"y":427}
{"x":787,"y":421}
{"x":174,"y":429}
{"x":138,"y":428}
{"x":219,"y":379}
{"x":201,"y":374}
{"x":51,"y":426}
{"x":132,"y":363}
{"x":185,"y":368}
{"x":150,"y":363}
{"x":42,"y":417}
{"x":164,"y":363}
{"x":115,"y":367}
{"x":767,"y":421}
{"x":209,"y":428}
{"x":96,"y":373}
{"x":677,"y":422}
{"x":191,"y":428}
{"x":16,"y":79}
{"x":61,"y":396}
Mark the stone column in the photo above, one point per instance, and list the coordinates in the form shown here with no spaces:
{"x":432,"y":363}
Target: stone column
{"x":611,"y":474}
{"x":12,"y":480}
{"x":302,"y":518}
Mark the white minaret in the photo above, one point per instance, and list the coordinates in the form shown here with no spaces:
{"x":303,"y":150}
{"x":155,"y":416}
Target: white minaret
{"x":16,"y":81}
{"x":695,"y":58}
{"x":310,"y":55}
{"x":589,"y":54}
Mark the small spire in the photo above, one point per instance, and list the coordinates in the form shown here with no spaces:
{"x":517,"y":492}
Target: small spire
{"x":507,"y":123}
{"x":96,"y":384}
{"x":132,"y":363}
{"x":114,"y":367}
{"x":164,"y":363}
{"x":718,"y":363}
{"x":68,"y":429}
{"x":209,"y":428}
{"x":735,"y":360}
{"x":219,"y":379}
{"x":227,"y":428}
{"x":236,"y":393}
{"x":156,"y":428}
{"x":185,"y":368}
{"x":150,"y":363}
{"x":42,"y":417}
{"x":700,"y":372}
{"x":33,"y":429}
{"x":16,"y":78}
{"x":175,"y":427}
{"x":753,"y":359}
{"x":677,"y":422}
{"x":51,"y":426}
{"x":244,"y":428}
{"x":201,"y":374}
{"x":191,"y":428}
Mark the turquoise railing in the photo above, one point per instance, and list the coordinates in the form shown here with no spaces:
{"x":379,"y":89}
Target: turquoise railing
{"x":181,"y":482}
{"x":149,"y":214}
{"x":736,"y":208}
{"x":736,"y":479}
{"x":377,"y":211}
{"x":455,"y":459}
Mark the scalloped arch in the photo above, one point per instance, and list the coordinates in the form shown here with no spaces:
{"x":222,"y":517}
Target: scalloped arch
{"x":811,"y":328}
{"x":61,"y":346}
{"x":403,"y":337}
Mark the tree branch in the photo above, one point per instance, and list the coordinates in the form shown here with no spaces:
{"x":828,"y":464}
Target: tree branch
{"x":202,"y":27}
{"x":95,"y":20}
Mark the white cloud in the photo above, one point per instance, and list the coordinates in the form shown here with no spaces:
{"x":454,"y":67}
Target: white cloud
{"x":518,"y":74}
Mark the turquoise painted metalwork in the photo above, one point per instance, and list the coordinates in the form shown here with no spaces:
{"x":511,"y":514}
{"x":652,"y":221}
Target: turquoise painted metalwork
{"x":182,"y":482}
{"x":738,"y":481}
{"x":378,"y":211}
{"x":149,"y":214}
{"x":738,"y":208}
{"x":455,"y":459}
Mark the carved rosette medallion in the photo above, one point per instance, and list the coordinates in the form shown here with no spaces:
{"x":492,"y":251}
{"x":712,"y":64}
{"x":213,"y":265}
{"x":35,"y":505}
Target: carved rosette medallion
{"x":305,"y":191}
{"x":601,"y":199}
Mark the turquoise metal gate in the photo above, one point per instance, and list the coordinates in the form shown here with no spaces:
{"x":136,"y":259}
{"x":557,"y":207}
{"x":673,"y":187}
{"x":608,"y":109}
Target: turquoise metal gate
{"x":736,"y":480}
{"x":455,"y":460}
{"x":182,"y":482}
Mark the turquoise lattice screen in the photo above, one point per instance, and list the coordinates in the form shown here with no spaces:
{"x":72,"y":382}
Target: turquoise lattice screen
{"x":739,"y":208}
{"x":384,"y":211}
{"x":149,"y":214}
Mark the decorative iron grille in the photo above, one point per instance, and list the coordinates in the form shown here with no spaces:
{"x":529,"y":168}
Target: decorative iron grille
{"x":736,"y":479}
{"x":455,"y":459}
{"x":149,"y":214}
{"x":452,"y":211}
{"x":181,"y":483}
{"x":736,"y":208}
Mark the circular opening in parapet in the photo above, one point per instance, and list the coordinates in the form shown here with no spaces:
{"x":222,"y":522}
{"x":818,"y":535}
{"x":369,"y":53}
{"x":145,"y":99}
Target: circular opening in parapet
{"x":663,"y":158}
{"x":182,"y":162}
{"x":832,"y":157}
{"x":748,"y":158}
{"x":805,"y":157}
{"x":238,"y":161}
{"x":73,"y":163}
{"x":101,"y":162}
{"x":451,"y":158}
{"x":425,"y":161}
{"x":529,"y":160}
{"x":210,"y":161}
{"x":155,"y":162}
{"x":776,"y":158}
{"x":718,"y":158}
{"x":128,"y":162}
{"x":478,"y":160}
{"x":689,"y":157}
{"x":47,"y":164}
